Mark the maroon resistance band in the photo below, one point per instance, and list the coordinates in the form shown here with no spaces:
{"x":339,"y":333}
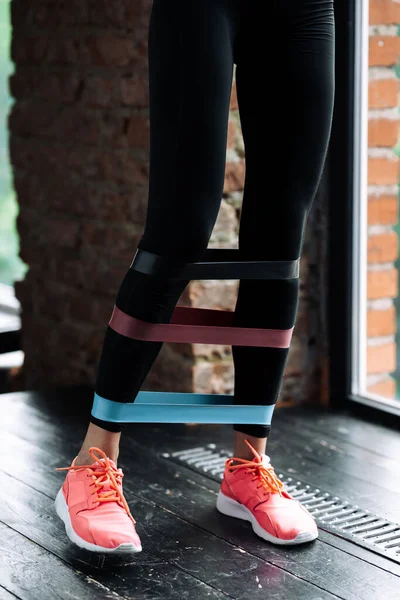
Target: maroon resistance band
{"x":199,"y":325}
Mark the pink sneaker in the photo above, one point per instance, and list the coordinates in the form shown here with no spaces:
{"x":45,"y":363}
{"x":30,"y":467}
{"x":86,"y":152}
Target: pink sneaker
{"x":251,"y":491}
{"x":92,"y":505}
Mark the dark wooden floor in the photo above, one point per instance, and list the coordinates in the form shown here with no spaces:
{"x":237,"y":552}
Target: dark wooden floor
{"x":190,"y":550}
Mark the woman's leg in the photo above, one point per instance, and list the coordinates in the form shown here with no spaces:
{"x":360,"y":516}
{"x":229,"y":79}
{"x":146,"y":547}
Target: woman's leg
{"x":190,"y":76}
{"x":286,"y":132}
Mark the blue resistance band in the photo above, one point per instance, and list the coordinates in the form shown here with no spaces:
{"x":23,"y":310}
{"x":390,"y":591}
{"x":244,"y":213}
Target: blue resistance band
{"x":173,"y":407}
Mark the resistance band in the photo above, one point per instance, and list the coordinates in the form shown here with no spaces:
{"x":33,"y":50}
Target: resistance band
{"x":196,"y":325}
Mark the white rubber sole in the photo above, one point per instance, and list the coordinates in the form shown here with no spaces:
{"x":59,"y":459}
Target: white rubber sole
{"x":63,"y":512}
{"x":231,"y":508}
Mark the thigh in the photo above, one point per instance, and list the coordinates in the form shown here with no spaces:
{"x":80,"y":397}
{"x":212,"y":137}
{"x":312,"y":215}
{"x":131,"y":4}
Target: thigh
{"x":190,"y":77}
{"x":286,"y":125}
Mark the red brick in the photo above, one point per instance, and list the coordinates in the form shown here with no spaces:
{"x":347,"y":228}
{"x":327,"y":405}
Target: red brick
{"x":384,"y":50}
{"x":384,"y":12}
{"x":104,"y":277}
{"x":383,"y":93}
{"x":60,"y":232}
{"x":234,"y":101}
{"x":113,"y":128}
{"x":138,"y":133}
{"x":134,"y":91}
{"x":221,"y":295}
{"x":226,"y":224}
{"x":88,"y":163}
{"x":50,"y":303}
{"x":137,"y":13}
{"x":234,"y":176}
{"x":124,"y":14}
{"x":70,"y":271}
{"x":52,"y":231}
{"x":109,"y":51}
{"x":381,"y":322}
{"x":105,"y":237}
{"x":383,"y":171}
{"x":64,"y":51}
{"x":71,"y":13}
{"x":29,"y":49}
{"x":86,"y":308}
{"x":382,"y":284}
{"x":120,"y":166}
{"x":21,"y":13}
{"x":385,"y":388}
{"x":43,"y":15}
{"x":20,"y":86}
{"x":32,"y":255}
{"x":383,"y":210}
{"x":58,"y":88}
{"x":232,"y":133}
{"x":381,"y":359}
{"x":99,"y":91}
{"x":295,"y":360}
{"x":383,"y":132}
{"x":212,"y":377}
{"x":112,"y":207}
{"x":73,"y":123}
{"x":383,"y":247}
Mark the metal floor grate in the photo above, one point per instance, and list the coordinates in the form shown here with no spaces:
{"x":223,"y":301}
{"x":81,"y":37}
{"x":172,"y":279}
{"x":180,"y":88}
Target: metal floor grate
{"x":332,"y":514}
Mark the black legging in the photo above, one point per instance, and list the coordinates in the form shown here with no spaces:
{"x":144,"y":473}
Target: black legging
{"x":284,"y":52}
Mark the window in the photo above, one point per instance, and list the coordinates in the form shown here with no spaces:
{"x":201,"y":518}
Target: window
{"x":364,"y":192}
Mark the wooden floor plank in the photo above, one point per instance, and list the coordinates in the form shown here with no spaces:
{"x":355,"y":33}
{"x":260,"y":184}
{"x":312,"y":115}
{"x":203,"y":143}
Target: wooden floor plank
{"x":194,"y":550}
{"x":343,"y":444}
{"x":30,"y":573}
{"x":6,"y":595}
{"x":360,"y":552}
{"x":192,"y":497}
{"x":345,"y":427}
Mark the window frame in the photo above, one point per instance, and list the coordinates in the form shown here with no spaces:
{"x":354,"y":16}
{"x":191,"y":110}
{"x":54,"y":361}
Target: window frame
{"x":347,"y":165}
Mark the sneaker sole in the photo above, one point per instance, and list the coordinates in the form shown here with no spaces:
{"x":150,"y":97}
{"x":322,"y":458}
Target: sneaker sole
{"x":231,"y":508}
{"x":63,"y":512}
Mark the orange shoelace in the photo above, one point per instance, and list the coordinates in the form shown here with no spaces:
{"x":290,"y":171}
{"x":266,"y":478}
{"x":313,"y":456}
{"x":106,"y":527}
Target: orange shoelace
{"x":263,"y":472}
{"x":102,"y":474}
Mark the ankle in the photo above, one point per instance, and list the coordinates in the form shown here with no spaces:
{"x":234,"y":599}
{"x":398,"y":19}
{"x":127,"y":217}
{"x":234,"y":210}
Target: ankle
{"x":237,"y":460}
{"x":97,"y":437}
{"x":84,"y":458}
{"x":245,"y":444}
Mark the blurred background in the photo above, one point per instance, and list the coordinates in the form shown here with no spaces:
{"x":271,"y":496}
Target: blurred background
{"x":12,"y":267}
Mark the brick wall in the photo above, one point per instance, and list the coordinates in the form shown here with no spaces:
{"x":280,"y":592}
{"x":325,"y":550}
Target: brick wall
{"x":383,"y":177}
{"x":79,"y":150}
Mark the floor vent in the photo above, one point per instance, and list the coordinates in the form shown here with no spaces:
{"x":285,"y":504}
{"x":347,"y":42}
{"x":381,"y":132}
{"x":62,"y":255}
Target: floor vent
{"x":333,"y":514}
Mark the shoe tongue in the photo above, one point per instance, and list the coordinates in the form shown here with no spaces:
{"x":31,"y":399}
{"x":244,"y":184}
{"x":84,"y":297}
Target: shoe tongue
{"x":263,"y":459}
{"x":100,"y":464}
